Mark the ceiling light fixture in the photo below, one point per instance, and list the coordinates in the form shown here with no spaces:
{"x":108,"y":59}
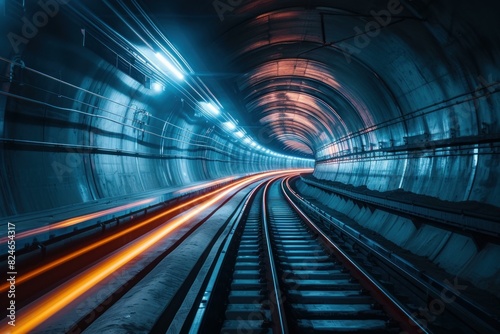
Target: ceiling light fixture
{"x":157,"y":87}
{"x":210,"y":108}
{"x":170,"y":66}
{"x":229,"y":125}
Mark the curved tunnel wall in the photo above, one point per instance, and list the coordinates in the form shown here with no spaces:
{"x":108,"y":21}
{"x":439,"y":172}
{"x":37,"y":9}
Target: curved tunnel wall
{"x":105,"y":136}
{"x":415,"y":106}
{"x":412,"y":104}
{"x":444,"y":85}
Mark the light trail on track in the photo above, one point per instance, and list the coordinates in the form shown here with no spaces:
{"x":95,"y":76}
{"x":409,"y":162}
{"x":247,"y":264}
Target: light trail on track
{"x":76,"y":220}
{"x":48,"y":305}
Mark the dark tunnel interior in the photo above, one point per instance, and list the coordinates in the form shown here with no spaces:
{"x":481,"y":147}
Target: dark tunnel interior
{"x":392,"y":101}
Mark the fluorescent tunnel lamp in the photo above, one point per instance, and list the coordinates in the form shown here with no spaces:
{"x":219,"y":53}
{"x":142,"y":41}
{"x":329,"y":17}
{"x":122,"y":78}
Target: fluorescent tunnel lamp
{"x":210,"y":108}
{"x":170,"y":66}
{"x":229,"y":125}
{"x":157,"y":87}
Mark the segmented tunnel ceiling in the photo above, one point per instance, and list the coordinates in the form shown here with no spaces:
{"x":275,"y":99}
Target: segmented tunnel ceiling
{"x":303,"y":74}
{"x":307,"y":76}
{"x":384,"y":94}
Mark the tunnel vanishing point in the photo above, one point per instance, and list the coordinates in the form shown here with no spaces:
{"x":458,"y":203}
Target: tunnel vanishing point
{"x":389,"y":109}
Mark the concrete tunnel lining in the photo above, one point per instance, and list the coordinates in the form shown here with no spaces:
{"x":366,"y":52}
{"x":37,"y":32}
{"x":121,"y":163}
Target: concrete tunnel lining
{"x":414,"y":108}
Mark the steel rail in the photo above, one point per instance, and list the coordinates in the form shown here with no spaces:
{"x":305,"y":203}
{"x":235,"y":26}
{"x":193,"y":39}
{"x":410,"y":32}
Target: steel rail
{"x":419,"y":278}
{"x":236,"y":221}
{"x":277,"y":305}
{"x":408,"y":322}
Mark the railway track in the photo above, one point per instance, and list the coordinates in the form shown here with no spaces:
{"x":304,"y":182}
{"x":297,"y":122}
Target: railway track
{"x":439,"y":305}
{"x":287,"y":277}
{"x":81,"y":282}
{"x":247,"y":260}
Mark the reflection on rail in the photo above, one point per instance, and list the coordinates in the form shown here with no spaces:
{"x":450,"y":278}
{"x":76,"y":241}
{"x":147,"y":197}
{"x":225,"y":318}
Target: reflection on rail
{"x":34,"y":273}
{"x":48,"y":305}
{"x":281,"y":274}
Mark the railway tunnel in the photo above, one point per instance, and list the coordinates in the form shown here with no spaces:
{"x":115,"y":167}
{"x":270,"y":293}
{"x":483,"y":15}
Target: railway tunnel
{"x":385,"y":114}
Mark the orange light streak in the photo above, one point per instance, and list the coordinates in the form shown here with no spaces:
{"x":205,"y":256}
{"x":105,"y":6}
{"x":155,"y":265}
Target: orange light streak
{"x":80,"y":219}
{"x":77,"y":220}
{"x":39,"y":311}
{"x":204,"y":185}
{"x":36,"y":272}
